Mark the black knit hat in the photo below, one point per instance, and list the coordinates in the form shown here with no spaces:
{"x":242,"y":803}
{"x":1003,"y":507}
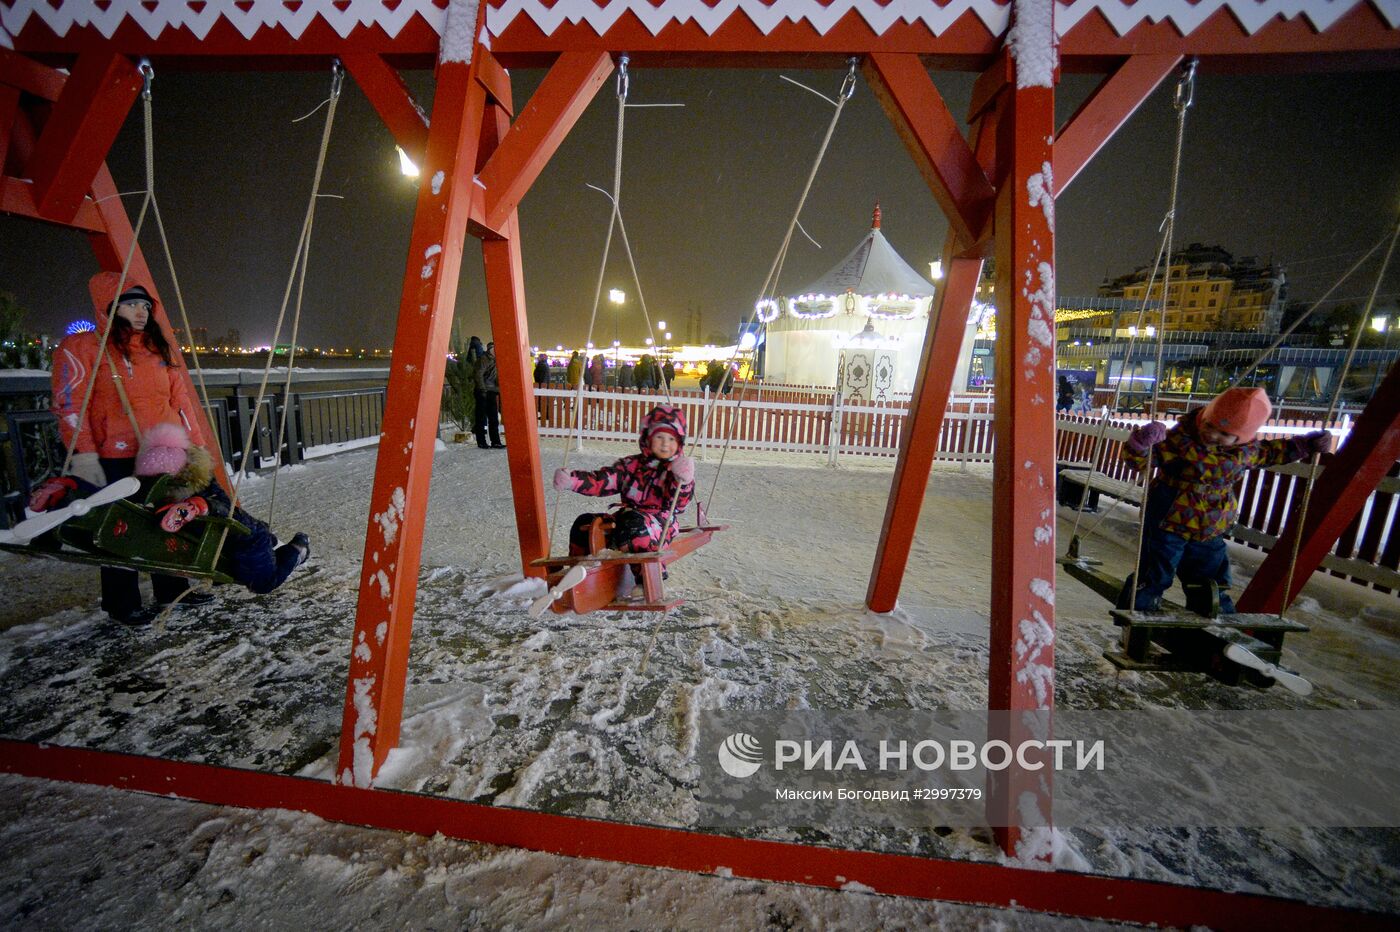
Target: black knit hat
{"x":136,"y":293}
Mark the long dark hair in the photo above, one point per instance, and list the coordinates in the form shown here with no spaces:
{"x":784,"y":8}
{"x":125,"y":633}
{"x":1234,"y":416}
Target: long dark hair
{"x":123,"y":333}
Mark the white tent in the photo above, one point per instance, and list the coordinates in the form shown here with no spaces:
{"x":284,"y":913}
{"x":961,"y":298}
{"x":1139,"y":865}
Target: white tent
{"x":872,"y":285}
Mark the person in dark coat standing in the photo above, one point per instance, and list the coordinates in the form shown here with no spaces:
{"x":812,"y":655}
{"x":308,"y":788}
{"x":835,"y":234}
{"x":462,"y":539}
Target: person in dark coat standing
{"x":668,"y":372}
{"x":475,"y":351}
{"x":488,"y":388}
{"x":542,"y":371}
{"x":596,"y":372}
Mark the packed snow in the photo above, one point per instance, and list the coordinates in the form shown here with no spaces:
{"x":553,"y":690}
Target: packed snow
{"x":561,"y":715}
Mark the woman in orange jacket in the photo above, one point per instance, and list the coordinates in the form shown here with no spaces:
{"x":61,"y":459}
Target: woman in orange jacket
{"x":139,"y":385}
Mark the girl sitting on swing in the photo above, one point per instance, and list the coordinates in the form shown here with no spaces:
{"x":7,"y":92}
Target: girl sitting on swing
{"x":655,"y":485}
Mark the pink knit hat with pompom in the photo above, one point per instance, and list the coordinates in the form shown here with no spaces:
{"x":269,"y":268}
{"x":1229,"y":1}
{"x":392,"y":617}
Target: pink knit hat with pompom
{"x":1239,"y":411}
{"x":164,"y":450}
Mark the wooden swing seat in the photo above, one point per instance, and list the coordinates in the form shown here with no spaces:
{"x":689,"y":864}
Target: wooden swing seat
{"x":1189,"y":639}
{"x":128,"y":535}
{"x":598,"y":591}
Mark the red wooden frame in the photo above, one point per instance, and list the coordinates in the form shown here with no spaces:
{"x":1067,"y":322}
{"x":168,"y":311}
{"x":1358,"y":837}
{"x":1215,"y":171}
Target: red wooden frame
{"x":477,"y":166}
{"x":976,"y":883}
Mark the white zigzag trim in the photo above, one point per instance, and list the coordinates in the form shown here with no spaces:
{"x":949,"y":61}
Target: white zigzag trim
{"x":1185,"y":17}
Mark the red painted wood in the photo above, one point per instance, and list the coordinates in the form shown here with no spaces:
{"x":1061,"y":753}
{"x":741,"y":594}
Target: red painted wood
{"x":918,"y":443}
{"x":1338,"y":496}
{"x":399,"y":501}
{"x":392,"y":100}
{"x":17,"y":197}
{"x":982,"y":883}
{"x":902,"y":85}
{"x":1105,"y":111}
{"x":554,"y":109}
{"x":30,"y":76}
{"x":1021,"y":664}
{"x":74,"y":140}
{"x":495,"y":79}
{"x":9,"y":112}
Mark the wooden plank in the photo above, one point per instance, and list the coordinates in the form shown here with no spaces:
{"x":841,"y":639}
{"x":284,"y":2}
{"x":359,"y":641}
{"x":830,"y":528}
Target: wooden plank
{"x":1185,"y":619}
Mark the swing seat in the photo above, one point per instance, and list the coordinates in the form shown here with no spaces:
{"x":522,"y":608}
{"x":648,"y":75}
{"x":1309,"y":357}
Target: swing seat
{"x":127,"y":535}
{"x":598,"y":591}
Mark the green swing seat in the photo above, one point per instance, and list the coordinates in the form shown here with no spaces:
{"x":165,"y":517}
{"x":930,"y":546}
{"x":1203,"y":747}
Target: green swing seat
{"x":127,"y":534}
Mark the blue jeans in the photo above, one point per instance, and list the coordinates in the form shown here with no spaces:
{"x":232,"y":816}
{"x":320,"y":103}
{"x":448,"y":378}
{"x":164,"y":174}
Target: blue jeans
{"x":1165,"y":555}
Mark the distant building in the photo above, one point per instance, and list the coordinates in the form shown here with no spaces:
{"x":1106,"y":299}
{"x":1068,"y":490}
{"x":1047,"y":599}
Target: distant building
{"x":1210,"y":290}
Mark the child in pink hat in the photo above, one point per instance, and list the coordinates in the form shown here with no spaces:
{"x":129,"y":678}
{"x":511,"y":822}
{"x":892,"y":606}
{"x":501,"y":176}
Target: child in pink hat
{"x":1191,"y":502}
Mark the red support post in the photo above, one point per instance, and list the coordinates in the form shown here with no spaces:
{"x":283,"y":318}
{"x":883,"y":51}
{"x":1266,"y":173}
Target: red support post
{"x":553,"y":110}
{"x":1105,"y":111}
{"x":505,"y":298}
{"x":399,"y":501}
{"x":924,"y":422}
{"x":902,"y":85}
{"x":77,"y":135}
{"x":1022,"y":665}
{"x":1339,"y":494}
{"x":9,"y":111}
{"x":392,"y":100}
{"x":933,"y":385}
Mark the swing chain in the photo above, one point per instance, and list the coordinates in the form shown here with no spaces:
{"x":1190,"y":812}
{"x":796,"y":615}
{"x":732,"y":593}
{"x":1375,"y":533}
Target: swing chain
{"x":848,"y":86}
{"x":148,"y":74}
{"x":1186,"y":86}
{"x":337,"y":78}
{"x":624,"y":81}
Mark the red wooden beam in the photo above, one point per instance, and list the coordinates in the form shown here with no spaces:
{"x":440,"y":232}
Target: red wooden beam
{"x":30,"y":76}
{"x":1022,"y":662}
{"x":399,"y":501}
{"x":9,"y":113}
{"x":74,"y":141}
{"x":495,"y":79}
{"x":505,"y":297}
{"x":392,"y":100}
{"x":918,"y":444}
{"x":1338,"y":496}
{"x":974,"y":882}
{"x":535,"y":136}
{"x":921,"y":118}
{"x":17,"y":197}
{"x":1105,"y":111}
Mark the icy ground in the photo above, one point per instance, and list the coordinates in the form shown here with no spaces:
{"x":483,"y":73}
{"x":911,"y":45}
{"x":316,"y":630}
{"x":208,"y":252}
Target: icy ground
{"x":559,"y":714}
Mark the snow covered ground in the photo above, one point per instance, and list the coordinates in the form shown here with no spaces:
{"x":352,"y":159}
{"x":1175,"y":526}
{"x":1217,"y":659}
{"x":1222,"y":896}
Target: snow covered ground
{"x":559,"y":715}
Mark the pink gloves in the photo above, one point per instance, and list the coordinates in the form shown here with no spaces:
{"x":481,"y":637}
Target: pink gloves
{"x":683,"y":468}
{"x":563,"y":480}
{"x":1315,"y":443}
{"x":182,"y":513}
{"x":1147,"y":436}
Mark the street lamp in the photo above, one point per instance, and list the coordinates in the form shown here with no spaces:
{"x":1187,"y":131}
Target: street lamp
{"x":406,"y":164}
{"x":935,"y":269}
{"x":616,"y":296}
{"x":1380,"y":322}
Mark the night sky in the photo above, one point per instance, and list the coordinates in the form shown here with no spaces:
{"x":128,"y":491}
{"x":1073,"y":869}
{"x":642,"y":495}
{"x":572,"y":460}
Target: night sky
{"x":1301,"y":168}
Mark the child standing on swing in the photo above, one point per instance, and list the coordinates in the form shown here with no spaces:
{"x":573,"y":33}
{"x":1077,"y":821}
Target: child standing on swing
{"x":1191,"y":503}
{"x":656,"y":485}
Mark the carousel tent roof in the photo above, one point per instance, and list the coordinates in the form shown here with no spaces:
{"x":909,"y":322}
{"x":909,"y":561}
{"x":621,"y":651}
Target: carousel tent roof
{"x":872,"y":268}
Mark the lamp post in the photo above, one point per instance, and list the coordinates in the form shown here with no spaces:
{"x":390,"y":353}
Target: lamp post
{"x":617,"y":297}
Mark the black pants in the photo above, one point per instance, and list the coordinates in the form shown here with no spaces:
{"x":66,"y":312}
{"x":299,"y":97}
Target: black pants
{"x":488,"y":418}
{"x":121,"y":589}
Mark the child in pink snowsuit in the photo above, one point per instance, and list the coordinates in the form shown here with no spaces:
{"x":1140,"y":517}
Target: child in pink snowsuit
{"x":649,"y":483}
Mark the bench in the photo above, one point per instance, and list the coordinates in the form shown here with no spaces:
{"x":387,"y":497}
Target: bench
{"x":1071,"y":483}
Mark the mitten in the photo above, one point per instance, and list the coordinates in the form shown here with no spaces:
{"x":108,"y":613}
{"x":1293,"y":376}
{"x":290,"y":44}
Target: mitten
{"x":51,"y":493}
{"x":563,"y":480}
{"x":683,"y":468}
{"x":1147,"y":436}
{"x":179,"y":514}
{"x":88,"y":467}
{"x":1315,"y":443}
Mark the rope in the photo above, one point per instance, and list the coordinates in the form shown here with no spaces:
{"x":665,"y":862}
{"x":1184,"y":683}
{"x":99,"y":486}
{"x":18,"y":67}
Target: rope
{"x":1331,"y":412}
{"x":622,"y":87}
{"x":337,"y":76}
{"x":770,"y":284}
{"x":1185,"y":96}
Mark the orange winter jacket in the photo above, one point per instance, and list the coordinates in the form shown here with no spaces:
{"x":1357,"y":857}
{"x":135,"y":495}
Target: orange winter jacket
{"x":157,"y":392}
